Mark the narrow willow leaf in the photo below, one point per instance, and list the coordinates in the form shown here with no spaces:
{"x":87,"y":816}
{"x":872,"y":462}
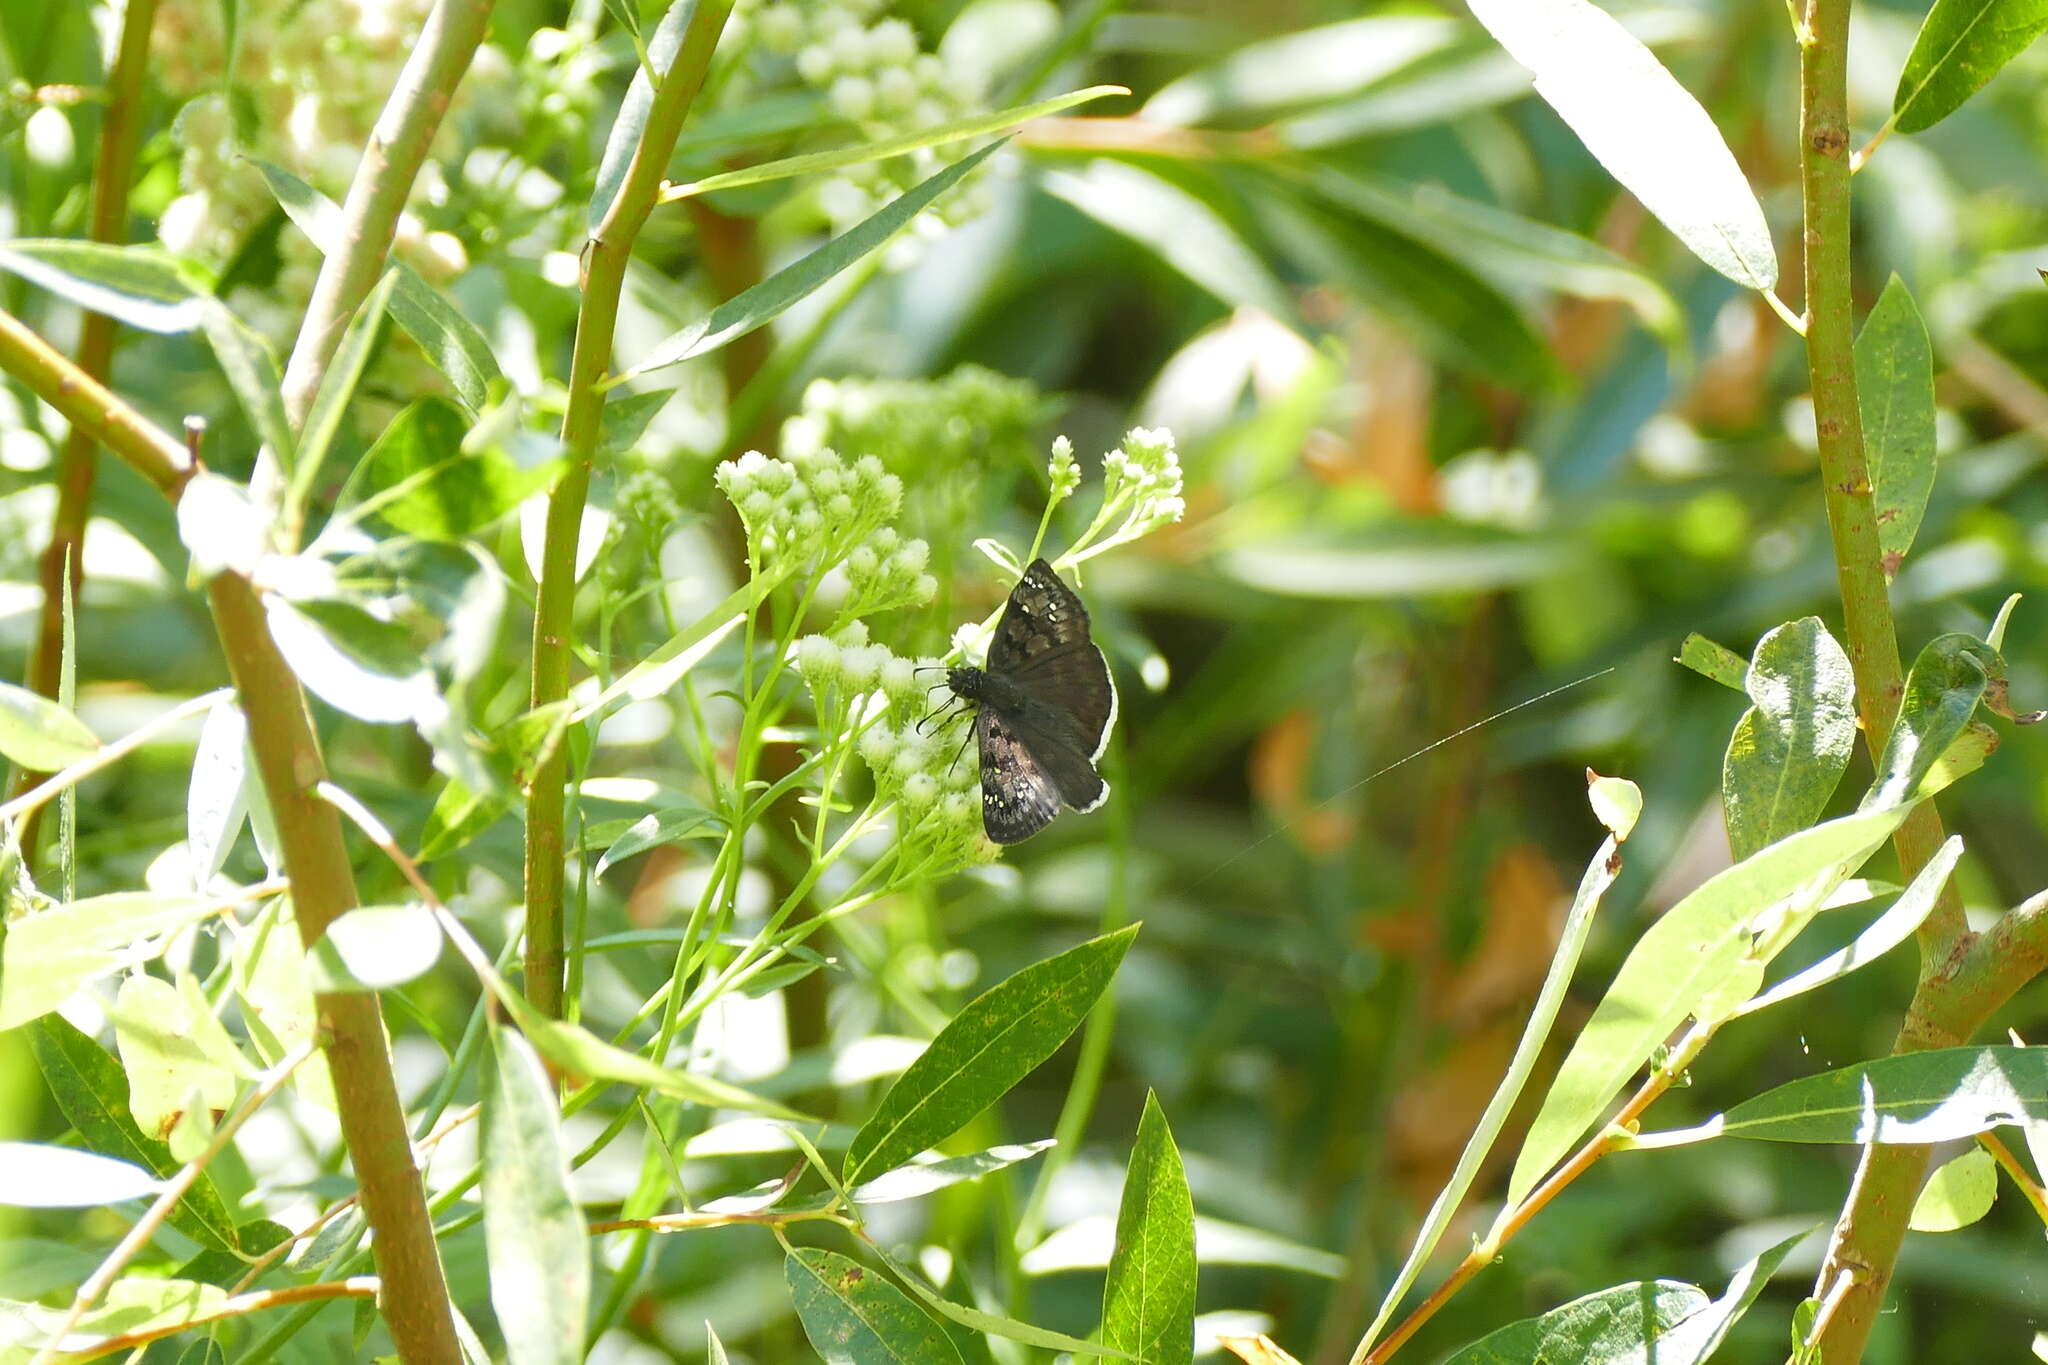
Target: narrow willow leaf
{"x":252,"y":375}
{"x":996,"y":1041}
{"x":277,"y":999}
{"x":577,"y":1051}
{"x":658,"y":54}
{"x":140,"y":286}
{"x":766,"y":301}
{"x":164,"y":1055}
{"x":1301,"y":68}
{"x":685,"y":643}
{"x":337,"y":391}
{"x":1695,"y":1340}
{"x":93,"y":1095}
{"x":1177,"y":227}
{"x":1689,"y":955}
{"x":1962,"y":44}
{"x":1883,"y":934}
{"x":534,"y":1234}
{"x":625,"y":420}
{"x":655,"y":829}
{"x":1642,"y":125}
{"x":920,"y":1178}
{"x":714,"y":1347}
{"x":1600,"y":1329}
{"x":1960,"y":1192}
{"x":1792,"y":746}
{"x":1918,"y":1097}
{"x":855,"y":1317}
{"x":937,"y":135}
{"x":1593,"y":886}
{"x":47,"y":956}
{"x":1954,"y":672}
{"x":1148,"y":1299}
{"x":34,"y":1175}
{"x":451,"y":341}
{"x":216,"y":801}
{"x":1895,"y":395}
{"x":375,"y":947}
{"x":133,"y":1303}
{"x":1717,"y":662}
{"x":40,"y":735}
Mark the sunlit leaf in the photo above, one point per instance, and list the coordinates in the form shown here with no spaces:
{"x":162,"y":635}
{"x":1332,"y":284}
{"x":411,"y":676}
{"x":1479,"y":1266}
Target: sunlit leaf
{"x":1614,"y":1325}
{"x":997,"y":1040}
{"x":141,"y":286}
{"x":855,"y":1317}
{"x":1916,"y":1097}
{"x":1695,"y":1340}
{"x":1303,"y":67}
{"x":577,"y":1051}
{"x":1718,"y":662}
{"x":534,"y":1233}
{"x":39,"y":734}
{"x":1792,"y":746}
{"x":215,"y":800}
{"x":1642,"y":125}
{"x":1960,"y":1192}
{"x":419,"y":478}
{"x":654,"y":830}
{"x":1148,"y":1298}
{"x":34,"y":1175}
{"x":1962,"y":44}
{"x":356,"y":663}
{"x":159,"y":1035}
{"x":1895,"y":395}
{"x":47,"y":956}
{"x":374,"y":947}
{"x":337,"y":391}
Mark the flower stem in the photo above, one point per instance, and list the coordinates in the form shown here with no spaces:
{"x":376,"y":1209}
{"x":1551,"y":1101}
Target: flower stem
{"x":611,"y":247}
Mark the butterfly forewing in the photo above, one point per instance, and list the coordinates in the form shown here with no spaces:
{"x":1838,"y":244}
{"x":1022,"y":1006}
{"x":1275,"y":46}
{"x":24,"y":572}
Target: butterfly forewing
{"x":1042,"y":642}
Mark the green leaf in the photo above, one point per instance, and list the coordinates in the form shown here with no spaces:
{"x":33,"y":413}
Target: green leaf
{"x":1693,"y":954}
{"x":92,"y":1093}
{"x":1640,"y":124}
{"x":133,"y":1303}
{"x":1960,"y":1192}
{"x":992,"y":1324}
{"x":767,"y":300}
{"x":1148,"y":1300}
{"x":424,"y":483}
{"x":1717,"y":662}
{"x":1883,"y":934}
{"x":1962,"y":44}
{"x":252,"y":375}
{"x":458,"y":816}
{"x":49,"y":955}
{"x":374,"y":947}
{"x":630,"y":125}
{"x":1309,"y":65}
{"x":625,"y":420}
{"x":997,"y":1040}
{"x":921,"y":1178}
{"x":665,"y":667}
{"x":171,"y":1052}
{"x":936,"y":135}
{"x":34,"y":1175}
{"x":655,"y":829}
{"x":855,"y":1317}
{"x":141,"y":286}
{"x":534,"y":1235}
{"x":1177,"y":227}
{"x":1791,"y":747}
{"x":40,"y":735}
{"x":1919,"y":1097}
{"x":1564,"y":960}
{"x":1895,"y":395}
{"x":1614,"y":1325}
{"x":577,"y":1051}
{"x":1453,"y":312}
{"x":358,"y":664}
{"x":1695,"y":1340}
{"x":1954,"y":672}
{"x":452,"y":343}
{"x":337,"y":391}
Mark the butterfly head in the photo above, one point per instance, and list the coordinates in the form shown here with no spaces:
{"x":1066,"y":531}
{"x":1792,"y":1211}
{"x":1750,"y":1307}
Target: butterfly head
{"x":968,"y":683}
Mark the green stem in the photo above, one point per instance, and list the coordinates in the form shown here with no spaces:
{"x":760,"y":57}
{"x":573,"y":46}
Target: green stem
{"x":610,"y":249}
{"x":63,"y":559}
{"x":1872,"y":1226}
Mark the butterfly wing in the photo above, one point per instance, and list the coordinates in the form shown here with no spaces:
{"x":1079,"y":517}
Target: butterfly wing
{"x":1042,"y":643}
{"x":1018,"y":796}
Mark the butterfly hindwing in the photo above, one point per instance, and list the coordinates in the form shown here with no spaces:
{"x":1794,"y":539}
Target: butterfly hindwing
{"x":1018,"y":796}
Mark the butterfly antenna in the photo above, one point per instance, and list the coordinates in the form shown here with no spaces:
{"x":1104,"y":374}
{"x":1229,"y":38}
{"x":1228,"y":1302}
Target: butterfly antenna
{"x":1434,"y":745}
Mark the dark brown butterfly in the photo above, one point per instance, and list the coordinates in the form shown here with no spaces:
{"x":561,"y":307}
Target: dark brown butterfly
{"x":1045,"y":706}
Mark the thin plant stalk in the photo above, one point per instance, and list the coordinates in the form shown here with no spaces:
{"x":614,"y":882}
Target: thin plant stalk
{"x":605,"y":260}
{"x":63,"y":560}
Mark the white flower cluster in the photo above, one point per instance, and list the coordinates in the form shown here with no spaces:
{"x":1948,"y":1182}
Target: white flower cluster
{"x":877,"y":77}
{"x":308,"y":83}
{"x":887,"y":571}
{"x":1141,"y":488}
{"x":799,"y":510}
{"x":873,"y":698}
{"x":1063,"y":472}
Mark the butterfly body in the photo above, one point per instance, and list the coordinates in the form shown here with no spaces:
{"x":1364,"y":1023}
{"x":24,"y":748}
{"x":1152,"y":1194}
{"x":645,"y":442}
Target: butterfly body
{"x":1044,"y":708}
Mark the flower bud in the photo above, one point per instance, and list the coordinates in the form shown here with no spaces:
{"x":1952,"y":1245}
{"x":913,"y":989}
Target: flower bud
{"x":818,"y":659}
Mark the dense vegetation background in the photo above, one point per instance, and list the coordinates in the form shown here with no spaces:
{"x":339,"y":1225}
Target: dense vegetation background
{"x":1454,"y":421}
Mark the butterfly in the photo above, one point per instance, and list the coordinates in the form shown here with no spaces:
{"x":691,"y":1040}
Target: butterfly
{"x":1045,"y":706}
